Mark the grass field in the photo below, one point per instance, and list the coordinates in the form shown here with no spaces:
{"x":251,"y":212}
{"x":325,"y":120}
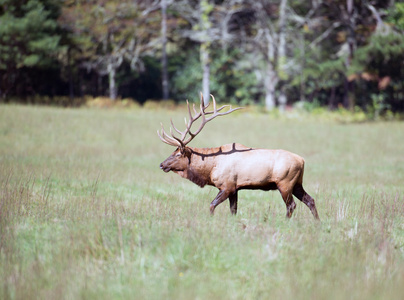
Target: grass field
{"x":86,"y":213}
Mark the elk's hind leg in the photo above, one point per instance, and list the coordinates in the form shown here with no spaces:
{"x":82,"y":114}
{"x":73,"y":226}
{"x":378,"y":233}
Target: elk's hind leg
{"x":301,"y":194}
{"x":288,"y":199}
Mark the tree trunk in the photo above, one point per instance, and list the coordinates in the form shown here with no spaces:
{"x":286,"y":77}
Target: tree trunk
{"x":205,"y":61}
{"x":331,"y":101}
{"x":270,"y":83}
{"x":281,"y":35}
{"x":164,"y":52}
{"x":282,"y":100}
{"x":349,"y":101}
{"x":98,"y":91}
{"x":281,"y":57}
{"x":112,"y":83}
{"x":269,"y":99}
{"x":302,"y":66}
{"x":70,"y":75}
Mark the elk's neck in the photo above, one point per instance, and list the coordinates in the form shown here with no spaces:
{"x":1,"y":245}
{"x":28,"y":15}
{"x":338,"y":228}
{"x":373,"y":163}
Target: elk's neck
{"x":202,"y":161}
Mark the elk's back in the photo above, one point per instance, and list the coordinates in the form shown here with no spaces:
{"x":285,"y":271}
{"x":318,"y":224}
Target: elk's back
{"x":256,"y":168}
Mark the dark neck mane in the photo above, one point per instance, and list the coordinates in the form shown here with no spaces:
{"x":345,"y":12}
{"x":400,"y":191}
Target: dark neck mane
{"x":196,"y":178}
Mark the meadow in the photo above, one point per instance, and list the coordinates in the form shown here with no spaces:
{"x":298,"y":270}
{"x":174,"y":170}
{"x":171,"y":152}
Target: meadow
{"x":86,"y":213}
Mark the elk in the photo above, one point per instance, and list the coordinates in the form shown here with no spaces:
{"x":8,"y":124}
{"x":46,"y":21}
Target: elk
{"x":234,"y":167}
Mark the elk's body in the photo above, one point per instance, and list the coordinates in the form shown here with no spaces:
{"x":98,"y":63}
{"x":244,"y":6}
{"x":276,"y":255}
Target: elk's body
{"x":234,"y":167}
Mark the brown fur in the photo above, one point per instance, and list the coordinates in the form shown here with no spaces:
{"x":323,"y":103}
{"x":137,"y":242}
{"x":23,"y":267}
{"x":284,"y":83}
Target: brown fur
{"x":196,"y":178}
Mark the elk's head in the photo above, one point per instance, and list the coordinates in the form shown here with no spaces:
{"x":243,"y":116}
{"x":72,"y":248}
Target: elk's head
{"x":180,"y":159}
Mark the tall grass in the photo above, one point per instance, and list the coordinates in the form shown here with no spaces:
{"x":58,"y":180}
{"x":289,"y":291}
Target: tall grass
{"x":85,"y":211}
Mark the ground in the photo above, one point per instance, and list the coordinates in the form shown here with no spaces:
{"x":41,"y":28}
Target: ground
{"x":87,"y":213}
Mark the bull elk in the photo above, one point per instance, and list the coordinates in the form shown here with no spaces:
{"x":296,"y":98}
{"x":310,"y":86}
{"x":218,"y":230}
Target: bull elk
{"x":234,"y":167}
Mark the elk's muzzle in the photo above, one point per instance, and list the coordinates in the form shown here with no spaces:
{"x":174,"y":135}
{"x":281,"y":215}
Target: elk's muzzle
{"x":164,"y":167}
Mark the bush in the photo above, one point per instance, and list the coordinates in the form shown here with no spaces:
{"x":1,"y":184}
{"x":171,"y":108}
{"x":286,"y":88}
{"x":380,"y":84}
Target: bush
{"x":64,"y":101}
{"x":159,"y":104}
{"x":105,"y":102}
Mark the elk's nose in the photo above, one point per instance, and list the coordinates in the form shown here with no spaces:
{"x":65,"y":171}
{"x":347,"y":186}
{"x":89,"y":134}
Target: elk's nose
{"x":164,"y":167}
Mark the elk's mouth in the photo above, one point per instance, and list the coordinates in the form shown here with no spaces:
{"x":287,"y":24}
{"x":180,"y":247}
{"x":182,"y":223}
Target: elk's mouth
{"x":165,"y":168}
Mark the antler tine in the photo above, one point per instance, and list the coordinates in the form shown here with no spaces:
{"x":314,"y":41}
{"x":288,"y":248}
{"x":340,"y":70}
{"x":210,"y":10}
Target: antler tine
{"x":193,"y":106}
{"x":214,"y":103}
{"x":202,"y":106}
{"x":216,"y":112}
{"x":163,"y":140}
{"x":163,"y":136}
{"x":214,"y":107}
{"x":175,"y":128}
{"x":172,"y":141}
{"x":189,"y":112}
{"x":177,"y":139}
{"x":192,"y":119}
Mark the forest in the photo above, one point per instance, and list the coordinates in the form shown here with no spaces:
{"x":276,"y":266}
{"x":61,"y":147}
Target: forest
{"x":277,"y":54}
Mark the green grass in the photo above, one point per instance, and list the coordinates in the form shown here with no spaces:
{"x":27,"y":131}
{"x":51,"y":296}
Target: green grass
{"x":85,"y":212}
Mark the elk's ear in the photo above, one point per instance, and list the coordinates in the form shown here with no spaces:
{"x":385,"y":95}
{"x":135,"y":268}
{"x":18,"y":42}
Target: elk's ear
{"x":185,"y":151}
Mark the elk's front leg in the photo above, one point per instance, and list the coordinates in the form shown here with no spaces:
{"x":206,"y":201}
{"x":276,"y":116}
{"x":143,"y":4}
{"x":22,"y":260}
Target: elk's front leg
{"x":233,"y":203}
{"x":221,"y":196}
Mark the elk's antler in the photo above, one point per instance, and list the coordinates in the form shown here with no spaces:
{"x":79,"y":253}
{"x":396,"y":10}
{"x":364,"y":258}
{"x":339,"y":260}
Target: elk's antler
{"x":182,"y":141}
